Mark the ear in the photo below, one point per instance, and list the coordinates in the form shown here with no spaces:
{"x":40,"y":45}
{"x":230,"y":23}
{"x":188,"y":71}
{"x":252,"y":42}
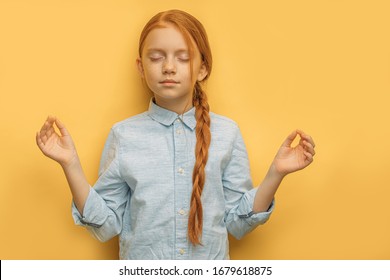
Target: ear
{"x":202,"y":72}
{"x":140,"y":67}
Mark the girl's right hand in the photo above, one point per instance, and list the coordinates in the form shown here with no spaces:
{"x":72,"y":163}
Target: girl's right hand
{"x":57,"y":146}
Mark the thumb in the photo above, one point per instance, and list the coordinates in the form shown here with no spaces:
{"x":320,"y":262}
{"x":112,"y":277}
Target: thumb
{"x":290,"y":139}
{"x":61,"y":127}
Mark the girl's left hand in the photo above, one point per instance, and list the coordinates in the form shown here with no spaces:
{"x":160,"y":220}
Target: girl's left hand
{"x":290,"y":159}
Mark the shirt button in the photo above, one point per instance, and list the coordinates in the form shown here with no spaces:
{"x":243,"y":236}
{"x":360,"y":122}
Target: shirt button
{"x":178,"y":131}
{"x":181,"y":170}
{"x":181,"y":251}
{"x":182,"y":212}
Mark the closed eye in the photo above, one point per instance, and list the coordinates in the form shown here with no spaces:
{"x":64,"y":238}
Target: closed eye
{"x":155,"y":58}
{"x":183,"y":58}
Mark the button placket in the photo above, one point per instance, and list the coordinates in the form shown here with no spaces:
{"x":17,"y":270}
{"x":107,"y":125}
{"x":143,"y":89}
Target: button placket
{"x":181,"y":190}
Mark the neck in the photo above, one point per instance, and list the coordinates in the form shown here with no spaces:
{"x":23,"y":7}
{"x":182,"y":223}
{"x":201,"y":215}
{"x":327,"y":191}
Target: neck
{"x":179,"y":106}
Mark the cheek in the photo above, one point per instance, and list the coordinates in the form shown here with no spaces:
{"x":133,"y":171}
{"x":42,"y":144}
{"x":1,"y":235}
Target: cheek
{"x":151,"y":72}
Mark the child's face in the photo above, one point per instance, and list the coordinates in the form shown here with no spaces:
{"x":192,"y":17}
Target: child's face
{"x":165,"y":66}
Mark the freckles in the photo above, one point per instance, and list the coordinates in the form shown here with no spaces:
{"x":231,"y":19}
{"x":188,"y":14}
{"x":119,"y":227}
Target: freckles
{"x":151,"y":70}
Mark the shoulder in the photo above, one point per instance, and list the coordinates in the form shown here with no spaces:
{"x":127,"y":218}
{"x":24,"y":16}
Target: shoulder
{"x":222,"y":121}
{"x":134,"y":121}
{"x":224,"y":126}
{"x":133,"y":126}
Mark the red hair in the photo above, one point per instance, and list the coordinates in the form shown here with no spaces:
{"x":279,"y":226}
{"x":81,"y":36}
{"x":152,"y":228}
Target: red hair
{"x":191,"y":28}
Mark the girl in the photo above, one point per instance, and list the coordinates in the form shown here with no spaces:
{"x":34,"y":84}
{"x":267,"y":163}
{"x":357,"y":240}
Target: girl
{"x":174,"y":180}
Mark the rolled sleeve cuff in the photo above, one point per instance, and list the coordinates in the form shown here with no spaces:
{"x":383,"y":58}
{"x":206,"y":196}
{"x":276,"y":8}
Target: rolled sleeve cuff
{"x":94,"y":214}
{"x":245,"y":210}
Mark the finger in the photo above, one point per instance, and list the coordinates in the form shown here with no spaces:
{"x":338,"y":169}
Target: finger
{"x":61,"y":127}
{"x":46,"y":134}
{"x":39,"y":141}
{"x":44,"y":128}
{"x":309,"y":157}
{"x":47,"y":124}
{"x":309,"y":147}
{"x":44,"y":139}
{"x":306,"y":137}
{"x":49,"y":132}
{"x":290,"y":139}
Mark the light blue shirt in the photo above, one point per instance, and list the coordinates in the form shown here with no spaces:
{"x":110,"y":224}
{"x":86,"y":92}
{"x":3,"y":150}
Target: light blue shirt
{"x":145,"y":183}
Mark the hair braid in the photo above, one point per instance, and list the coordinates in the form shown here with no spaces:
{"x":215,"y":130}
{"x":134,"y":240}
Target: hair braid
{"x":203,"y":138}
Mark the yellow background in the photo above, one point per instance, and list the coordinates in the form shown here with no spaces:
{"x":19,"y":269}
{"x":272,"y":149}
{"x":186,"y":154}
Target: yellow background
{"x":322,"y":66}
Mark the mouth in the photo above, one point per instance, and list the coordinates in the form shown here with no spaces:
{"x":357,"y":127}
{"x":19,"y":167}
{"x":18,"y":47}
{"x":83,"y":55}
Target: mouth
{"x":169,"y":82}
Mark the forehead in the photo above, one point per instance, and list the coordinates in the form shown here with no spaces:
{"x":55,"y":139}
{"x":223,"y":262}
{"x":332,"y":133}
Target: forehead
{"x":167,"y":38}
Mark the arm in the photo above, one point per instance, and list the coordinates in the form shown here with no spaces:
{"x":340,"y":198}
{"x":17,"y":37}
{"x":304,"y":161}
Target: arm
{"x":60,"y":147}
{"x":287,"y":160}
{"x":239,"y":193}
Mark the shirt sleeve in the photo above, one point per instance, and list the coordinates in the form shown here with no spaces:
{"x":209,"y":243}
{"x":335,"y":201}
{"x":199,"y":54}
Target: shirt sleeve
{"x":107,"y":200}
{"x":240,"y":194}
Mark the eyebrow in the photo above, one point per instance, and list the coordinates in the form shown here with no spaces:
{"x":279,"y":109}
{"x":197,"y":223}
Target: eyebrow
{"x":151,"y":50}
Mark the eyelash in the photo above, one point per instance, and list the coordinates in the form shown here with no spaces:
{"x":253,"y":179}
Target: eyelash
{"x":156,"y":59}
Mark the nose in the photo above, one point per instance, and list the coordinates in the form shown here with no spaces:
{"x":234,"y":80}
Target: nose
{"x":169,"y":67}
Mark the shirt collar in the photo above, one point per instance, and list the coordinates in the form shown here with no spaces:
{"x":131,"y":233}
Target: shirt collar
{"x":167,"y":117}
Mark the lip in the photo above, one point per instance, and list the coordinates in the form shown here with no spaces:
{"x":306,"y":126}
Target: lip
{"x":169,"y":82}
